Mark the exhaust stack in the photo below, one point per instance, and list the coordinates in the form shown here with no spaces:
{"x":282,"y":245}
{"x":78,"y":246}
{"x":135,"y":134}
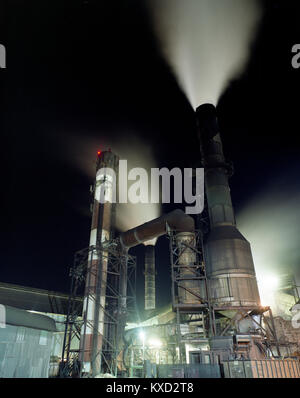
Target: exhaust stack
{"x":149,"y":277}
{"x":228,"y":257}
{"x":92,"y":331}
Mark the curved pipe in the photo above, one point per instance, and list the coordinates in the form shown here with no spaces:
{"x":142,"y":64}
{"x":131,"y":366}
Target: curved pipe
{"x":176,"y":220}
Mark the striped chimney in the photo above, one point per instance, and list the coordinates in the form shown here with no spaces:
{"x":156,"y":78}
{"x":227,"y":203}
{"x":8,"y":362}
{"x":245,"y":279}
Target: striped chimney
{"x":103,"y":214}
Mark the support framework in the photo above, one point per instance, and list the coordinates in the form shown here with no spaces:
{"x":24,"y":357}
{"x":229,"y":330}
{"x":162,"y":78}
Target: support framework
{"x":265,"y":326}
{"x":199,"y":311}
{"x":120,"y":266}
{"x":203,"y":311}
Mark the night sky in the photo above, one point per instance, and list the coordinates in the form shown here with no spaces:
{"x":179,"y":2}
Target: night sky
{"x":94,"y":68}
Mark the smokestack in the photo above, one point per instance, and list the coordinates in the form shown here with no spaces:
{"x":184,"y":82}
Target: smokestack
{"x":150,"y":277}
{"x":95,"y":288}
{"x":228,"y":257}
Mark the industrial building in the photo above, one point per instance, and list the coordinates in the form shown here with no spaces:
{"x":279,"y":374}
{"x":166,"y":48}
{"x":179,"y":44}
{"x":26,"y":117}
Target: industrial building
{"x":31,"y":342}
{"x":214,"y":326}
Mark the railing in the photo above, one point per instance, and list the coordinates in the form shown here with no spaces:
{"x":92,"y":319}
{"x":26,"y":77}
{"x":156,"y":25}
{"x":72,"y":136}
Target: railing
{"x":264,"y":368}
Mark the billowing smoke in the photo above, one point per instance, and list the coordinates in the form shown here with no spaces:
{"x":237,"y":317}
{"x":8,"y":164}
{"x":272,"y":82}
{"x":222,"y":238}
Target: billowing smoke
{"x":271,"y":223}
{"x":81,"y":151}
{"x":206,"y":42}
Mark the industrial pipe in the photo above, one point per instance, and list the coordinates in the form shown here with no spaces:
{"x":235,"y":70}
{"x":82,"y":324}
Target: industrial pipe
{"x":184,"y":226}
{"x":176,"y":220}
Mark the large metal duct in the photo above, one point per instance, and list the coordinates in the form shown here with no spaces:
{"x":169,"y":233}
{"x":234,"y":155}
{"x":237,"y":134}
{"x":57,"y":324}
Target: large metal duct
{"x":149,"y":277}
{"x":96,"y":279}
{"x":228,"y":257}
{"x":184,"y":226}
{"x":176,"y":220}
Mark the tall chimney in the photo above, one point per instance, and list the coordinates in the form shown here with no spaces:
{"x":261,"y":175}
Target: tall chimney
{"x":228,"y":258}
{"x":96,"y":279}
{"x":149,"y":277}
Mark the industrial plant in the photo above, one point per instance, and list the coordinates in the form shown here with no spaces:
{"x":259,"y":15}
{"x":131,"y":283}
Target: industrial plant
{"x":215,"y":325}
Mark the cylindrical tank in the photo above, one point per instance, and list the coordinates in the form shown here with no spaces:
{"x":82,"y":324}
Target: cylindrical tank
{"x":150,"y":277}
{"x":230,"y":268}
{"x":188,"y":286}
{"x":228,"y":258}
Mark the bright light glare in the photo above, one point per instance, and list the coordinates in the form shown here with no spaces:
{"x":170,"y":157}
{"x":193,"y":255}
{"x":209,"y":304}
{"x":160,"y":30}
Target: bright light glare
{"x":269,"y":283}
{"x":142,"y":336}
{"x":153,"y":342}
{"x":267,"y":287}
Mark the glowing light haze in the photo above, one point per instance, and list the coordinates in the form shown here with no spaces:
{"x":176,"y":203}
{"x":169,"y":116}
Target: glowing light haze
{"x":268,"y":285}
{"x":206,"y":42}
{"x":271,"y":223}
{"x":81,"y":152}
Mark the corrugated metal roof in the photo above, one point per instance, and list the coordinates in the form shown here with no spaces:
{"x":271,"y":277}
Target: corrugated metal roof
{"x":17,"y":317}
{"x":33,"y":299}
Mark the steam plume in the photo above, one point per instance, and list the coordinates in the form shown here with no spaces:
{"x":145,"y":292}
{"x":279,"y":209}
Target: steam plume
{"x":81,"y":151}
{"x":271,"y":223}
{"x":206,"y":42}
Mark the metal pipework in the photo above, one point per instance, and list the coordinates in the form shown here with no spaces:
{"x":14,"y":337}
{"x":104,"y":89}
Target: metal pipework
{"x":228,"y":257}
{"x":184,"y":226}
{"x":96,"y":279}
{"x":149,"y":277}
{"x":176,"y":220}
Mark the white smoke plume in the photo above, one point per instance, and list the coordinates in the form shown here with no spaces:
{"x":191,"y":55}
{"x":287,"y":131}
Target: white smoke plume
{"x":206,"y":42}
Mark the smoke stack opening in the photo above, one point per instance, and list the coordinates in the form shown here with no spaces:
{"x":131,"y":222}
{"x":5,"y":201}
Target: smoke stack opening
{"x":207,"y":122}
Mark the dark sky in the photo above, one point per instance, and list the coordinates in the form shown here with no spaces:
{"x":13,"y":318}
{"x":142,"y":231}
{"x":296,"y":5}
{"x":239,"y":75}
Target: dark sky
{"x":87,"y":67}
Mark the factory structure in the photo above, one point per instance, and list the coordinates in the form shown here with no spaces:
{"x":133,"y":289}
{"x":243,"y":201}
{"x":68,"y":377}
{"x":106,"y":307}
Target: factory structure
{"x":214,"y":326}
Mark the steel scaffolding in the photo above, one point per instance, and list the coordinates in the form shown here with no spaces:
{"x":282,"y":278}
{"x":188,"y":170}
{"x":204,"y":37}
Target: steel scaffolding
{"x":121,"y":266}
{"x":203,"y":311}
{"x":199,"y":312}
